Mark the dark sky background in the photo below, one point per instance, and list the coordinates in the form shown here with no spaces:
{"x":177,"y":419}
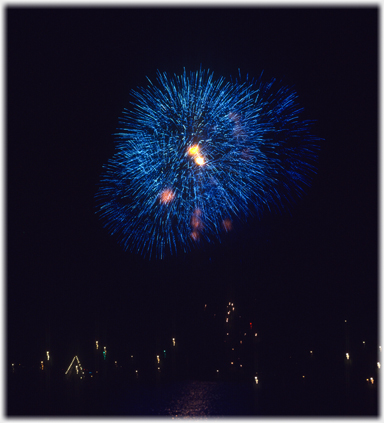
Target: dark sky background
{"x":297,"y":276}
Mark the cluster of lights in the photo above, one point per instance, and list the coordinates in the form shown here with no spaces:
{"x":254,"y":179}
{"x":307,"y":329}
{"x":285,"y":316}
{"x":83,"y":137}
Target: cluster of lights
{"x":79,"y":368}
{"x":231,"y":308}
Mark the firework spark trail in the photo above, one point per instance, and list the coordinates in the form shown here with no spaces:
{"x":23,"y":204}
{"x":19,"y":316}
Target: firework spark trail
{"x":195,"y":154}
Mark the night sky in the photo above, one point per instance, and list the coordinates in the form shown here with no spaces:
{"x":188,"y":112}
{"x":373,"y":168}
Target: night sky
{"x":297,"y":276}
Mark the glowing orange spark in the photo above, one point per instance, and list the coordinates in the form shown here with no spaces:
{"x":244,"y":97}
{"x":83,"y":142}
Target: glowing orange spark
{"x":195,"y":235}
{"x":196,"y":222}
{"x":166,"y":196}
{"x":227,"y":225}
{"x":193,"y":150}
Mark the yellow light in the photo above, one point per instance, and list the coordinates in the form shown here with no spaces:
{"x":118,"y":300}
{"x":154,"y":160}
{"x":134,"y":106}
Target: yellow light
{"x":97,"y":345}
{"x":193,"y":150}
{"x":372,"y":380}
{"x":347,"y":355}
{"x":231,"y":362}
{"x":74,"y":358}
{"x":158,"y":358}
{"x":303,"y":376}
{"x":217,"y":371}
{"x":255,"y":334}
{"x":226,"y":320}
{"x":256,"y":380}
{"x":173,"y":341}
{"x":378,"y":365}
{"x":48,"y":355}
{"x":199,"y":160}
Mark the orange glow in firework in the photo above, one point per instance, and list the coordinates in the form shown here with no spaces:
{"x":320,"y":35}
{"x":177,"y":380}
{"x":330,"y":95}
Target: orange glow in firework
{"x":195,"y":235}
{"x":194,"y":150}
{"x":227,"y":224}
{"x":167,"y":196}
{"x":196,"y":222}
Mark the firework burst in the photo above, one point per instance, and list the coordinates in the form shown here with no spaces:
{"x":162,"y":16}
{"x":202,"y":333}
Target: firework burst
{"x":194,"y":154}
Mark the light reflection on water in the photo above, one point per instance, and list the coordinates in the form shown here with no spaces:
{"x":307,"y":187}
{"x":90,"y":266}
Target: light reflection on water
{"x":196,"y":399}
{"x":199,"y":399}
{"x":188,"y":399}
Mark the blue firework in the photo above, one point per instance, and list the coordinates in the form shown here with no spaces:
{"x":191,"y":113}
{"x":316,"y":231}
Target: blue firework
{"x":195,"y":154}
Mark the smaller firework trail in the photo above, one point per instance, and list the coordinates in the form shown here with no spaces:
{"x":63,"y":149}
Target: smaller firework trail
{"x":196,"y":155}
